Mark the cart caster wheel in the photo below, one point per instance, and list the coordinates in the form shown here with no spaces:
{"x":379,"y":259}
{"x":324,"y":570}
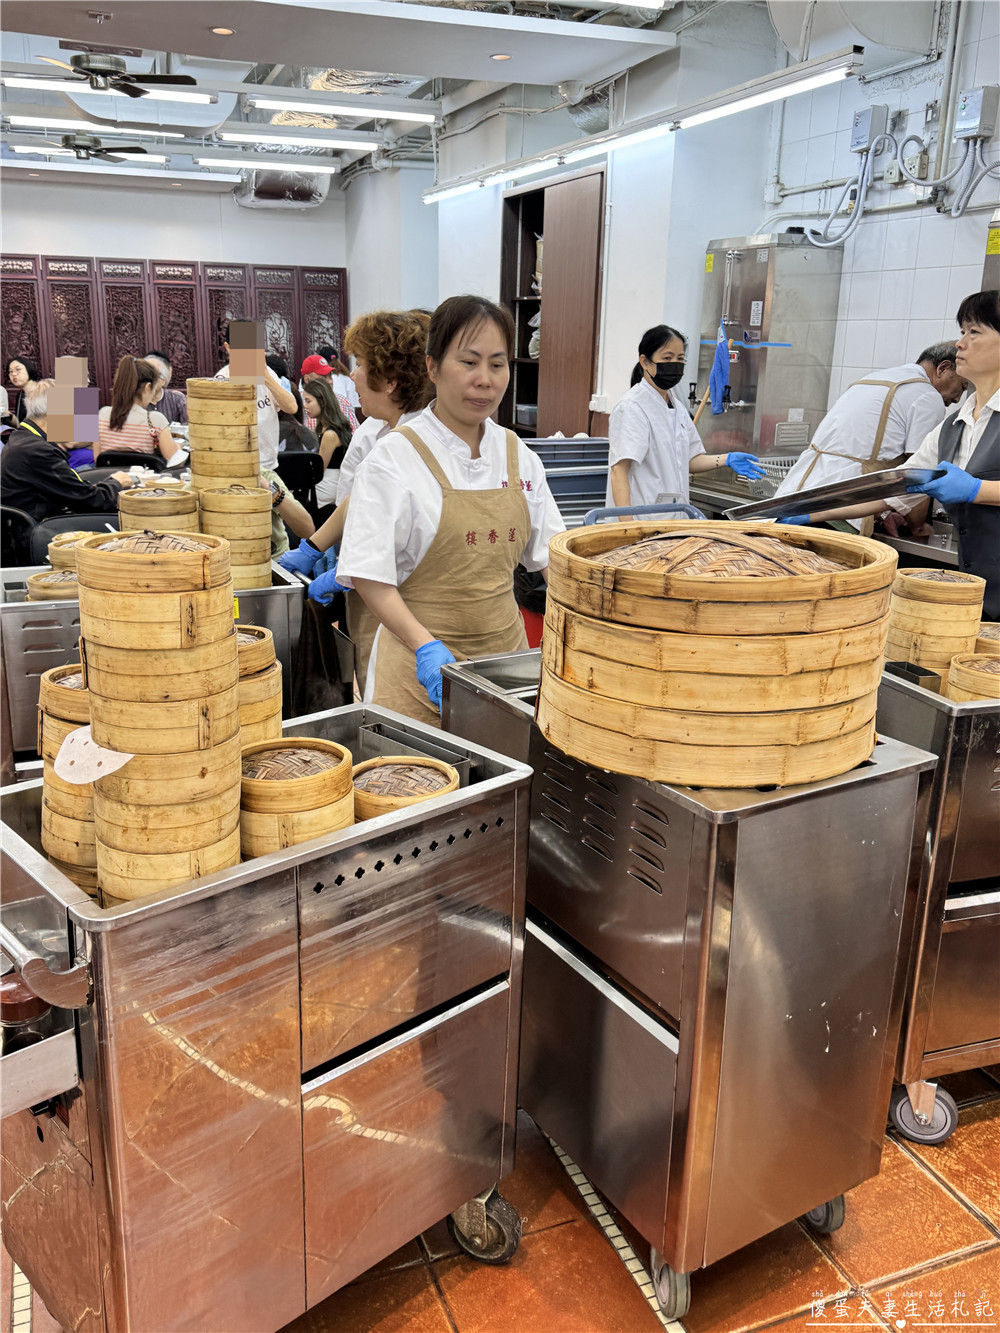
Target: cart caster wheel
{"x":942,"y":1123}
{"x":673,"y":1290}
{"x":503,"y":1227}
{"x":827,"y":1218}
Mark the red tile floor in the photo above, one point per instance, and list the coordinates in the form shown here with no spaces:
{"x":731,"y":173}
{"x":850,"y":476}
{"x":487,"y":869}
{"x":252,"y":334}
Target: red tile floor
{"x":920,"y":1249}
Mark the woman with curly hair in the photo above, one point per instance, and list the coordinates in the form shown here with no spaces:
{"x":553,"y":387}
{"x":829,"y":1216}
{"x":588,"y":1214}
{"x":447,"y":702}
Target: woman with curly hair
{"x":389,"y":348}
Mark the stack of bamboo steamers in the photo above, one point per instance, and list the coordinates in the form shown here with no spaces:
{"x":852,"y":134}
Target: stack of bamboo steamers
{"x":159,"y":653}
{"x":714,"y":654}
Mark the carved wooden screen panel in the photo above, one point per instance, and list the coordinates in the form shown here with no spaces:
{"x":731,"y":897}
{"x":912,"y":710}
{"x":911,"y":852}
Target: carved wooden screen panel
{"x":225,"y":296}
{"x":324,"y":300}
{"x":72,"y":311}
{"x":175,"y":325}
{"x":121,"y":291}
{"x":277,"y":306}
{"x":20,"y":312}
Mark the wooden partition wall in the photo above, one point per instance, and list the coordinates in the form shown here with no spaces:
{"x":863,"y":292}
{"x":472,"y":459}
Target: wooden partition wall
{"x":103,"y":309}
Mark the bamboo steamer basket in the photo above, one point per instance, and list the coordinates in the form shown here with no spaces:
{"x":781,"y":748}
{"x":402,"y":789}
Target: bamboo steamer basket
{"x":52,"y":731}
{"x":160,"y":830}
{"x":155,"y":506}
{"x":84,"y":877}
{"x":252,"y":576}
{"x":165,"y":728}
{"x":61,"y":553}
{"x":221,"y":403}
{"x":62,"y":693}
{"x":69,"y":840}
{"x":52,"y":585}
{"x":250,"y":551}
{"x":973,"y":676}
{"x":256,"y":648}
{"x":163,"y":781}
{"x":948,"y":587}
{"x":152,"y":561}
{"x":147,"y":676}
{"x":292,"y":790}
{"x":67,"y":808}
{"x":162,"y":483}
{"x":239,"y":513}
{"x":260,"y":705}
{"x":226,"y":439}
{"x":223,"y":391}
{"x":392,"y":782}
{"x":143,"y":621}
{"x":934,"y":615}
{"x":233,"y":467}
{"x":131,"y":875}
{"x":988,"y":637}
{"x":693,"y":603}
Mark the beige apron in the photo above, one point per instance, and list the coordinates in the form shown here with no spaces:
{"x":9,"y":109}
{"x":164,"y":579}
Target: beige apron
{"x":873,"y":463}
{"x":462,"y":591}
{"x":362,"y":627}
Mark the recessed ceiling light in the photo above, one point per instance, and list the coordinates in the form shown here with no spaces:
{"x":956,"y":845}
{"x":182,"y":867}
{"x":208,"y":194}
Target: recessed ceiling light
{"x":224,"y":32}
{"x":501,"y":55}
{"x":33,"y":173}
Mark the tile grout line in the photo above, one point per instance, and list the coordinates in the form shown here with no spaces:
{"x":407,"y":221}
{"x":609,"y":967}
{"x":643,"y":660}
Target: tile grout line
{"x":21,"y":1297}
{"x":967,"y":1204}
{"x":613,"y":1232}
{"x":429,"y":1264}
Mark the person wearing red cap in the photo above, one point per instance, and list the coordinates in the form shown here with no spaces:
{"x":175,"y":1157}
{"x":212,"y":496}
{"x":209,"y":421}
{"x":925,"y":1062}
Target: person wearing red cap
{"x":317,"y":367}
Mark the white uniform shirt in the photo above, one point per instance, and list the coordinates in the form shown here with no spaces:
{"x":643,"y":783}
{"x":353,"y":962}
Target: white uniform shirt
{"x":267,"y":424}
{"x":659,"y":440}
{"x":363,"y":441}
{"x":344,"y":386}
{"x":928,"y":455}
{"x":396,"y":504}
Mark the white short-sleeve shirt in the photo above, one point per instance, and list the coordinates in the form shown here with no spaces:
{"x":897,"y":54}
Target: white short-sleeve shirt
{"x":929,"y":453}
{"x":267,"y":423}
{"x":363,"y":441}
{"x":396,"y":504}
{"x":660,"y":442}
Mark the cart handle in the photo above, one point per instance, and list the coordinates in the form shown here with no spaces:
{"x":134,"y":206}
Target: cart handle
{"x":66,"y":990}
{"x":633,"y":511}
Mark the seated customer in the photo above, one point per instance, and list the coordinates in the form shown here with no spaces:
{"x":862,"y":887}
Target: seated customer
{"x":173,"y":403}
{"x":129,"y":423}
{"x":36,"y":476}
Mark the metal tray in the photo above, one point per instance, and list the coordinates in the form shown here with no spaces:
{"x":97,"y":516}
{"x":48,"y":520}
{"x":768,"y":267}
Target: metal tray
{"x":854,"y":490}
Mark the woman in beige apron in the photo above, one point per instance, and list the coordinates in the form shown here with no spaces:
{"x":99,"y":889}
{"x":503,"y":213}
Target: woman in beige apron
{"x":447,"y":507}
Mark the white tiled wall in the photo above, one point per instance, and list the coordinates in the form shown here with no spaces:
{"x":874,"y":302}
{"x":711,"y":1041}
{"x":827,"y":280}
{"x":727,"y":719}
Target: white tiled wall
{"x":906,"y":272}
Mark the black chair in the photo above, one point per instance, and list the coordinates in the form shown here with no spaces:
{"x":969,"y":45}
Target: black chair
{"x":126,"y":458}
{"x":301,"y":472}
{"x":48,"y":528}
{"x":16,"y":528}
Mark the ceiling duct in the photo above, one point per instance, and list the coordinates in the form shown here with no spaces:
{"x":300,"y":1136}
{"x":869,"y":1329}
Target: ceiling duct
{"x":283,"y":187}
{"x":888,"y":31}
{"x":592,"y":113}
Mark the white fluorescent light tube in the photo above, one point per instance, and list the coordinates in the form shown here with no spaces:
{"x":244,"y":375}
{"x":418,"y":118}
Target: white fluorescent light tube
{"x":267,"y":164}
{"x":68,"y":152}
{"x":99,"y":168}
{"x":527,"y":169}
{"x":451,"y":191}
{"x":294,"y":140}
{"x":88,"y":127}
{"x":80,"y":86}
{"x":363,"y":111}
{"x":623,"y":141}
{"x":807,"y":85}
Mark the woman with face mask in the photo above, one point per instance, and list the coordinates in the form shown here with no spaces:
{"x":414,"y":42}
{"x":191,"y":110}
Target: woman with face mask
{"x":654,"y":445}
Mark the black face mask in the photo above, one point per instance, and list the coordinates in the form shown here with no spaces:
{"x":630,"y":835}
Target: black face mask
{"x":668,"y":373}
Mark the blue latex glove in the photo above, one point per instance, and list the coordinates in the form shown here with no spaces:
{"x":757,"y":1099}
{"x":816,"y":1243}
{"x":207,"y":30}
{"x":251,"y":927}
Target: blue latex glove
{"x":745,"y":465}
{"x":800,"y":520}
{"x":431,"y":657}
{"x":325,"y":587}
{"x":301,"y":560}
{"x":956,"y":487}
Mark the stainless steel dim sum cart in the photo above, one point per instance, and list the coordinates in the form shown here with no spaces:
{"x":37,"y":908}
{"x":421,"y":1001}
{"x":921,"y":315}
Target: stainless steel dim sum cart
{"x":35,"y":636}
{"x":952,"y":1015}
{"x":713,"y":984}
{"x":268,"y":1079}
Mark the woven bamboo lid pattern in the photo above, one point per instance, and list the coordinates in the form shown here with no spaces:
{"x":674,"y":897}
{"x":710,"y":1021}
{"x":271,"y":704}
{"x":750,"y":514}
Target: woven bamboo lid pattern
{"x":744,"y":555}
{"x":65,"y":539}
{"x":981,"y":663}
{"x":247,"y":637}
{"x":287,"y":763}
{"x":74,"y":681}
{"x":401,"y":779}
{"x":152,"y":543}
{"x":57,"y":576}
{"x":989,"y":630}
{"x":937,"y":575}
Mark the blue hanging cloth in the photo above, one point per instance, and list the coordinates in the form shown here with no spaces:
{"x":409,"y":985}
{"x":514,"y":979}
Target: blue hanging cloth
{"x":718,"y":379}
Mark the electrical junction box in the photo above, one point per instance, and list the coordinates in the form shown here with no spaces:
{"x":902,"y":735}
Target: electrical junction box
{"x":892,"y":174}
{"x":868,"y":125}
{"x":916,"y":165}
{"x":976,"y":113}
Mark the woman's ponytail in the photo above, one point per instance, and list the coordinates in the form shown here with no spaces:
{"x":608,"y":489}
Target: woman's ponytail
{"x":129,"y":378}
{"x":637,"y":374}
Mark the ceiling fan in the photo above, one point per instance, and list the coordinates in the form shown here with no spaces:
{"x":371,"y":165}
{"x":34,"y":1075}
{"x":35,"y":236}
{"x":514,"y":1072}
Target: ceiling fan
{"x":87,"y":146}
{"x":104,"y":73}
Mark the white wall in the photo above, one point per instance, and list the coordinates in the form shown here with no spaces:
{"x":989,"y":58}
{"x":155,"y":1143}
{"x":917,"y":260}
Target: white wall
{"x":469,"y":244}
{"x":111,"y":221}
{"x":391,"y":241}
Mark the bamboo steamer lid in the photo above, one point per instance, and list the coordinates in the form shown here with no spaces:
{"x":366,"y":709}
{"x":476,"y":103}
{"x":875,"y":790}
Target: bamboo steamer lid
{"x":220,"y":403}
{"x":143,"y":506}
{"x":131,"y":875}
{"x":973,"y":676}
{"x":161,"y":676}
{"x":988,"y":637}
{"x":256,"y":648}
{"x":60,"y":553}
{"x":62,"y":693}
{"x":152,"y":561}
{"x":222,"y":391}
{"x":947,"y":586}
{"x":52,"y":585}
{"x":165,"y":780}
{"x":394,"y":781}
{"x":854,"y":591}
{"x":161,"y":483}
{"x":237,"y":499}
{"x":157,"y":621}
{"x":300,"y":773}
{"x":719,"y":555}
